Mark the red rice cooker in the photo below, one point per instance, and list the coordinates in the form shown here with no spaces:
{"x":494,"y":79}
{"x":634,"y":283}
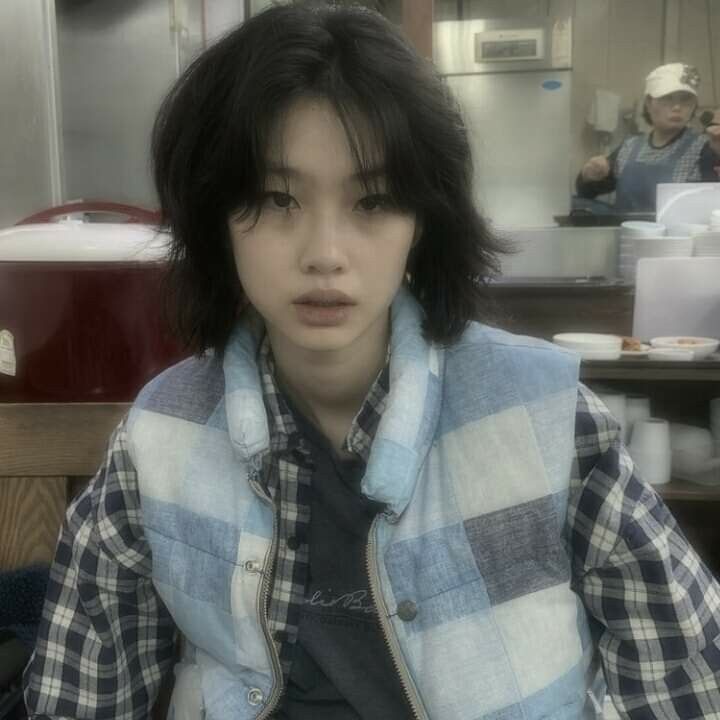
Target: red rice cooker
{"x":81,"y":311}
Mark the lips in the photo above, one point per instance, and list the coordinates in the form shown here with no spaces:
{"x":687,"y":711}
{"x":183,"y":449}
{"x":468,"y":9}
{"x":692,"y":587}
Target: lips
{"x":324,"y":298}
{"x":323,"y":308}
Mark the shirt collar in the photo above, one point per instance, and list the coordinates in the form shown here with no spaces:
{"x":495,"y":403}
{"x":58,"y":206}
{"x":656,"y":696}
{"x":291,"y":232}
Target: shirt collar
{"x":284,"y":432}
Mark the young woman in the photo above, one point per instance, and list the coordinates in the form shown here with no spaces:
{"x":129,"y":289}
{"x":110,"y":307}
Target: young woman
{"x":355,"y":500}
{"x":670,"y":152}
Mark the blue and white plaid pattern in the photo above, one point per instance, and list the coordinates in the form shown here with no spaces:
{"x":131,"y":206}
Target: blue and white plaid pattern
{"x":485,"y":548}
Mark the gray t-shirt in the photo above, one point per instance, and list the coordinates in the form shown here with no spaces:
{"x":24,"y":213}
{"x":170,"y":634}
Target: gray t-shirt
{"x":342,"y":668}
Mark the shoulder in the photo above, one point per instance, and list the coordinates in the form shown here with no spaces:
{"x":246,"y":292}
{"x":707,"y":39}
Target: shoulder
{"x":509,"y":354}
{"x":486,"y":337}
{"x":190,"y":389}
{"x":697,"y":141}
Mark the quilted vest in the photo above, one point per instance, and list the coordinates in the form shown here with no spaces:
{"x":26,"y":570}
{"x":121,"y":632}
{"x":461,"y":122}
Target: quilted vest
{"x":470,"y":562}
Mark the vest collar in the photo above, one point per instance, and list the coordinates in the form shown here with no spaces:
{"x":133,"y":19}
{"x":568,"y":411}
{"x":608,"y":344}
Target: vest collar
{"x":408,"y":423}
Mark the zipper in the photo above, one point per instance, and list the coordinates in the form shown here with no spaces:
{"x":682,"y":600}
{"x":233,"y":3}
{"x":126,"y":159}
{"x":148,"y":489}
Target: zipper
{"x":391,"y":641}
{"x":262,"y":603}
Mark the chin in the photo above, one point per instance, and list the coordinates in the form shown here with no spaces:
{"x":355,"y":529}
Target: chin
{"x":323,"y":339}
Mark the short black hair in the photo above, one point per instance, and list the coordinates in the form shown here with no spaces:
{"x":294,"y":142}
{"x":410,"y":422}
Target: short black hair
{"x":210,"y":139}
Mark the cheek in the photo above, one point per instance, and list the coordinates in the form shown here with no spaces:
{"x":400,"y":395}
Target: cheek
{"x":252,"y":267}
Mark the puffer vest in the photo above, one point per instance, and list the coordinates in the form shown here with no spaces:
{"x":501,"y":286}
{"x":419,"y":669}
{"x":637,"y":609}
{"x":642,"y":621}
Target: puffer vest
{"x":469,"y":565}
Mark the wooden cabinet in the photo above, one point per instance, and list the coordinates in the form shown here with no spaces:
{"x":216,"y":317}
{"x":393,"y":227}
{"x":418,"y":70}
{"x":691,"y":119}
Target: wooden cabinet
{"x":43,"y":448}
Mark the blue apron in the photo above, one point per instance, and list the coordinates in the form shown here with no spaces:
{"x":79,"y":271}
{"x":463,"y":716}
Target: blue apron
{"x":635,"y":189}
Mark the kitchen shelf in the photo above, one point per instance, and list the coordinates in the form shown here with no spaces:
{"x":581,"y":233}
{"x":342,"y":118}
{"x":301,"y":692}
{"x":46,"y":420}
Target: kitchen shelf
{"x":682,"y":490}
{"x":644,"y":369}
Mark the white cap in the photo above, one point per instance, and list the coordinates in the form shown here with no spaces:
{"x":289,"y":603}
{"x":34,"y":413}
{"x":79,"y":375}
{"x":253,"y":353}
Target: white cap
{"x":674,"y":77}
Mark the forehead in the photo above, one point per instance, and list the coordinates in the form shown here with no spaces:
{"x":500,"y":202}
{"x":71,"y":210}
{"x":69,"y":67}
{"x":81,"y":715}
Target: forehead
{"x":311,"y":134}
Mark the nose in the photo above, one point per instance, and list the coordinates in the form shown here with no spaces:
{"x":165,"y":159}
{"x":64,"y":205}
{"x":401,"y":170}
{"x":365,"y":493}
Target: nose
{"x":323,"y":250}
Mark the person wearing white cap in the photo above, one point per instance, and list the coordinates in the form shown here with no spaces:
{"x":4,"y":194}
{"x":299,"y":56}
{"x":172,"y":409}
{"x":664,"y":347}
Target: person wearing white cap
{"x":670,"y":152}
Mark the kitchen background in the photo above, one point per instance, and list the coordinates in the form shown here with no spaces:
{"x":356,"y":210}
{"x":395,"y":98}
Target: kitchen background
{"x":81,"y":80}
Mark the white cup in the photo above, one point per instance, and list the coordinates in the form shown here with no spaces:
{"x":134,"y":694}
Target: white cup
{"x":640,"y":228}
{"x":651,"y":436}
{"x":650,"y":449}
{"x":715,"y":423}
{"x":637,"y":407}
{"x":655,"y":468}
{"x":616,"y":404}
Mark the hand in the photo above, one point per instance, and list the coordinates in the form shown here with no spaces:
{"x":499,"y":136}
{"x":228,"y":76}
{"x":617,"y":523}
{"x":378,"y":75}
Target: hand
{"x":713,"y":133}
{"x":596,"y":168}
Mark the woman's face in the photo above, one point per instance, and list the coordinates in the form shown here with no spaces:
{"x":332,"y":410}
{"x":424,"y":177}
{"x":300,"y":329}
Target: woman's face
{"x":326,"y":257}
{"x":671,"y":112}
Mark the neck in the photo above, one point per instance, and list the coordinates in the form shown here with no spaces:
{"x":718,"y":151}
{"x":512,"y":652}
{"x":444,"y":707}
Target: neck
{"x":329,"y":387}
{"x":663,"y":137}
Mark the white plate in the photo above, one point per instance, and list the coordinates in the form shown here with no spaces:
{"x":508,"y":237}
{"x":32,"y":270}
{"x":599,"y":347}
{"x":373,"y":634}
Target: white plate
{"x":673,"y":354}
{"x":588,"y":341}
{"x":597,"y":354}
{"x":645,"y":348}
{"x":701,"y":349}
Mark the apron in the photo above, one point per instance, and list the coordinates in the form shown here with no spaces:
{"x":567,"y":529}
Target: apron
{"x":635,"y":190}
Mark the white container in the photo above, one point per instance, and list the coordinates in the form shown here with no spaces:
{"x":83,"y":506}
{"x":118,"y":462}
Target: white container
{"x":639,"y":228}
{"x":654,"y":467}
{"x":651,"y":436}
{"x":707,"y":244}
{"x":675,"y":296}
{"x":627,"y":233}
{"x":691,"y":448}
{"x":671,"y":355}
{"x":708,"y":474}
{"x":650,"y":450}
{"x":662,"y":246}
{"x":686,"y":202}
{"x":687,"y":229}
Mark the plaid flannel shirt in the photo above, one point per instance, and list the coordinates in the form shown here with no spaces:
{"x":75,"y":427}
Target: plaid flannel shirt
{"x":106,"y":640}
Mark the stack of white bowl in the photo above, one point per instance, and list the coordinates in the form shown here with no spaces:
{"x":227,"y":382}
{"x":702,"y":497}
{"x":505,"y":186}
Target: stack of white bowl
{"x":707,"y":244}
{"x":663,"y":246}
{"x":706,"y":238}
{"x":591,"y":346}
{"x":692,"y":447}
{"x":629,"y":232}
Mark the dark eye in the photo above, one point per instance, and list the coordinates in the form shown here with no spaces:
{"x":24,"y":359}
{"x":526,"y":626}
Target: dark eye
{"x":372,"y":203}
{"x":279,"y":200}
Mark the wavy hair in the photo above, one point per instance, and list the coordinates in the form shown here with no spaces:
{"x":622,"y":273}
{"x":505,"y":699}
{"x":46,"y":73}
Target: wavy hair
{"x":212,"y":131}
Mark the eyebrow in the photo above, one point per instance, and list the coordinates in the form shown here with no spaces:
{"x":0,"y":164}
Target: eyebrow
{"x":291,"y":172}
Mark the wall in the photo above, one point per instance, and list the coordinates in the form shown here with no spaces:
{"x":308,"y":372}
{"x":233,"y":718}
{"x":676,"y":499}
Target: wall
{"x":30,"y":163}
{"x":116,"y":62}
